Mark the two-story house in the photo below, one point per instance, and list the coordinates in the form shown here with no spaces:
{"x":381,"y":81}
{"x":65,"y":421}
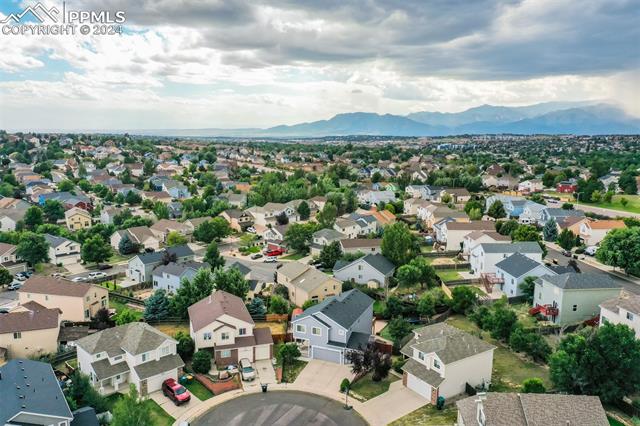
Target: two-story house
{"x":238,"y":220}
{"x":9,"y":260}
{"x":573,"y":297}
{"x":77,"y":218}
{"x":472,"y":239}
{"x":374,"y":270}
{"x":29,"y":330}
{"x":62,"y":250}
{"x":338,"y":324}
{"x":323,"y":238}
{"x":347,"y":227}
{"x":443,"y":359}
{"x":142,"y":236}
{"x":622,"y":310}
{"x":362,"y":245}
{"x":305,"y":282}
{"x":514,"y":269}
{"x":452,"y":233}
{"x":221,"y":324}
{"x":163,"y":227}
{"x":558,"y":215}
{"x":169,"y":277}
{"x":594,"y":231}
{"x":485,"y":256}
{"x":77,"y":301}
{"x":142,"y":265}
{"x":134,"y":353}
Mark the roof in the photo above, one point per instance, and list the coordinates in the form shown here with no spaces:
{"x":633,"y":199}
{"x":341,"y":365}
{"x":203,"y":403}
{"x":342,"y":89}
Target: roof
{"x":85,"y":416}
{"x":156,"y":256}
{"x":581,"y":281}
{"x":134,"y":338}
{"x":212,"y":307}
{"x":140,"y":233}
{"x":4,"y":248}
{"x":36,"y":317}
{"x":178,"y":269}
{"x":606,"y":224}
{"x":55,"y":241}
{"x":491,"y":234}
{"x":517,"y":265}
{"x":521,"y":247}
{"x":30,"y":386}
{"x":361,"y":242}
{"x":533,"y":409}
{"x":164,"y":225}
{"x":628,"y":302}
{"x":478,"y":225}
{"x":56,"y":286}
{"x":449,"y":343}
{"x":344,"y":309}
{"x":304,"y":277}
{"x":161,"y":365}
{"x":414,"y":368}
{"x":377,"y":262}
{"x":244,"y":269}
{"x":104,"y":369}
{"x":328,"y":233}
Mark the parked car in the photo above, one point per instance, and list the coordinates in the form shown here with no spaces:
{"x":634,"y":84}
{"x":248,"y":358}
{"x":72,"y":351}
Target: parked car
{"x":21,"y":276}
{"x":79,"y":279}
{"x":251,"y":230}
{"x":57,"y":275}
{"x":247,"y":371}
{"x":591,"y":250}
{"x":256,"y":256}
{"x":275,"y":252}
{"x":4,"y":311}
{"x":14,"y":286}
{"x":270,"y":259}
{"x":102,"y":267}
{"x":175,"y":391}
{"x":566,"y":253}
{"x":97,"y":275}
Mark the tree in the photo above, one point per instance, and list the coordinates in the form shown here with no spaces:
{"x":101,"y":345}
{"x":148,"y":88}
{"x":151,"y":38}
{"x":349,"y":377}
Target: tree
{"x":550,"y":230}
{"x":157,"y":307}
{"x":232,"y":281}
{"x":327,"y":216}
{"x":309,"y":303}
{"x":102,"y":319}
{"x":567,"y":239}
{"x":221,"y":228}
{"x":125,"y":316}
{"x":506,"y":227}
{"x":288,"y":354}
{"x":330,"y":254}
{"x":201,"y":362}
{"x":185,"y":346}
{"x":525,"y":233}
{"x":399,"y":328}
{"x":65,"y":186}
{"x":5,"y":276}
{"x":533,"y":385}
{"x":132,"y":198}
{"x":32,"y":248}
{"x":621,"y":248}
{"x":298,"y":236}
{"x":282,"y":218}
{"x":33,"y":217}
{"x":370,"y":359}
{"x":567,"y":206}
{"x":53,"y":210}
{"x":497,"y":210}
{"x":475,"y":214}
{"x":398,"y":243}
{"x":393,"y":307}
{"x":408,"y":275}
{"x":624,"y":202}
{"x":257,"y":307}
{"x":278,"y":305}
{"x":192,"y":291}
{"x":528,"y":286}
{"x":83,"y":394}
{"x":426,"y":305}
{"x":604,"y":361}
{"x":127,"y":246}
{"x":213,"y":257}
{"x":303,"y":210}
{"x":95,"y":250}
{"x":205,"y":232}
{"x":161,"y":210}
{"x":148,"y":167}
{"x":627,"y":182}
{"x":175,"y":238}
{"x":463,"y":298}
{"x":503,"y":321}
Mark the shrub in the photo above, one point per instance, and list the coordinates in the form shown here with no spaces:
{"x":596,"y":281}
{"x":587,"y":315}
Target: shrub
{"x":344,"y":385}
{"x":533,"y":385}
{"x":201,"y":362}
{"x":398,"y":364}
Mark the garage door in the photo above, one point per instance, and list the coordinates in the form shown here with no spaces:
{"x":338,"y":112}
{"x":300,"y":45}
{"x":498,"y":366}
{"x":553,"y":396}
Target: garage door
{"x":263,"y":352}
{"x":418,"y":386}
{"x":245,"y":353}
{"x":68,"y":260}
{"x":155,"y":383}
{"x":325,"y":354}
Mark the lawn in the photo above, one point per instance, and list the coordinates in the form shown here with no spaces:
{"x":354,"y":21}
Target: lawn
{"x":429,"y":415}
{"x":522,"y":309}
{"x":509,"y":369}
{"x":614,"y":422}
{"x":117,"y":258}
{"x":197,"y":389}
{"x":379,"y":307}
{"x":449,"y":275}
{"x":119,"y":306}
{"x":159,"y":417}
{"x":384,"y":333}
{"x":294,"y":256}
{"x":173,"y":329}
{"x":367,"y":388}
{"x":291,"y":371}
{"x":633,"y":205}
{"x":426,"y":249}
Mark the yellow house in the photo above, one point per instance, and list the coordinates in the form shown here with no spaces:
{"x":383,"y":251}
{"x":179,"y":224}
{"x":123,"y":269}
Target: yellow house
{"x":77,"y":218}
{"x":305,"y":282}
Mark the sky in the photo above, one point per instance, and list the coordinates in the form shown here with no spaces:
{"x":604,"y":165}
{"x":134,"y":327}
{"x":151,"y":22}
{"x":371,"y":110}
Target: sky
{"x":230,"y":64}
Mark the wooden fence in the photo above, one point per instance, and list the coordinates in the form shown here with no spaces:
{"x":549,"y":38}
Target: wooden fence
{"x":126,"y":299}
{"x":450,"y":253}
{"x":65,"y":356}
{"x":454,"y":266}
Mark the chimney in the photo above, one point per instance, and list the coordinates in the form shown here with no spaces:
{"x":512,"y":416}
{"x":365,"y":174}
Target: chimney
{"x":480,"y":417}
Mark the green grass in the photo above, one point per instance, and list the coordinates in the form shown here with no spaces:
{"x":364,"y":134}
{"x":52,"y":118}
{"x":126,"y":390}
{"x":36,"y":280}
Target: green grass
{"x":428,"y":415}
{"x":614,"y":422}
{"x":198,"y":390}
{"x":367,"y":388}
{"x":119,"y":306}
{"x":294,"y":256}
{"x":379,"y":307}
{"x":633,"y":206}
{"x":426,"y":249}
{"x":384,"y":333}
{"x":522,"y":310}
{"x":291,"y":371}
{"x":509,"y":369}
{"x":111,"y":400}
{"x":117,"y":257}
{"x":449,"y":275}
{"x":158,"y":417}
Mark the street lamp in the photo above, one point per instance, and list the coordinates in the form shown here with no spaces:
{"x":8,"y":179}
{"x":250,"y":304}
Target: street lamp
{"x":346,"y":398}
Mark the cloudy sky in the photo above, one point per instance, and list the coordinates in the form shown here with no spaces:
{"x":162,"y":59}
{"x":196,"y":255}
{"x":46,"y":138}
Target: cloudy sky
{"x":228,"y":63}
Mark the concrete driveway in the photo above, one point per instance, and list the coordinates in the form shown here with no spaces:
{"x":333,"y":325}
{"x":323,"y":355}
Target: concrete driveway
{"x":172,"y":409}
{"x":398,"y":401}
{"x":265,"y":375}
{"x":323,"y":375}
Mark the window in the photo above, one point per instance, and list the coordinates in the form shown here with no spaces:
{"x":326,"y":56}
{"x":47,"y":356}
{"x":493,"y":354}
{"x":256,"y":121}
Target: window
{"x":575,"y":308}
{"x":98,"y":356}
{"x":242,"y":331}
{"x":341,"y":332}
{"x":103,"y":303}
{"x":207,"y":336}
{"x":46,"y":297}
{"x":87,"y":298}
{"x":118,"y":358}
{"x":436,"y":364}
{"x":144,"y":357}
{"x":165,"y":351}
{"x":421,"y":355}
{"x":86,"y":313}
{"x":316,"y":331}
{"x":118,"y":377}
{"x":301,"y":328}
{"x":224,"y":335}
{"x":17,"y":335}
{"x":225,"y":354}
{"x":629,"y":316}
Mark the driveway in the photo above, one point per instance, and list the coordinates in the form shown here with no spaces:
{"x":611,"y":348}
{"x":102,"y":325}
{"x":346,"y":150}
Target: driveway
{"x":265,"y":375}
{"x":323,"y":375}
{"x":172,"y":409}
{"x":398,"y":401}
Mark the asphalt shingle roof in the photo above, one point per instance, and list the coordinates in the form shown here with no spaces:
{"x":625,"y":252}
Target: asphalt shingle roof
{"x":344,"y":309}
{"x":414,"y":368}
{"x":517,"y":265}
{"x":152,"y":368}
{"x":522,"y":247}
{"x":156,"y":256}
{"x":576,"y":281}
{"x":134,"y":338}
{"x":212,"y":307}
{"x":377,"y":261}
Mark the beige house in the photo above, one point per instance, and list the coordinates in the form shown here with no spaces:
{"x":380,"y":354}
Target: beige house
{"x":163,"y":227}
{"x":140,"y":235}
{"x":9,"y":260}
{"x":594,"y":231}
{"x":238,"y":219}
{"x":29,"y":330}
{"x":77,"y":218}
{"x":305,"y":282}
{"x":76,"y":301}
{"x":62,"y":250}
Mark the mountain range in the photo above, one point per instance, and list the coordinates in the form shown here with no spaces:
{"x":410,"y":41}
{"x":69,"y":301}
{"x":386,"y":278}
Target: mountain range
{"x":546,"y":118}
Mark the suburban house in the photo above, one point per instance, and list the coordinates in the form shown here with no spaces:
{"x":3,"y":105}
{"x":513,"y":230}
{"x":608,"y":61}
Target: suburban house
{"x":323,"y":238}
{"x":9,"y":260}
{"x":442,"y":360}
{"x":134,"y":353}
{"x":77,"y":302}
{"x":573,"y":297}
{"x":32,"y":395}
{"x":374,"y":270}
{"x":163,"y":227}
{"x":472,"y":239}
{"x":528,"y":409}
{"x":514,"y":269}
{"x":530,"y":186}
{"x":62,"y":250}
{"x":305,"y":282}
{"x":458,"y":195}
{"x":347,"y":227}
{"x":411,"y":205}
{"x":9,"y":218}
{"x":176,"y":189}
{"x":558,"y":214}
{"x":257,"y":279}
{"x":362,"y":245}
{"x":108,"y":213}
{"x":266,"y":214}
{"x":238,"y":220}
{"x":531,"y":213}
{"x":513,"y":205}
{"x":221,"y":324}
{"x":77,"y":218}
{"x":29,"y":330}
{"x":142,"y":265}
{"x":452,"y":233}
{"x":376,"y":197}
{"x":567,"y":186}
{"x":327,"y":330}
{"x":622,"y":310}
{"x":485,"y":256}
{"x":594,"y":231}
{"x":142,"y":236}
{"x":169,"y":277}
{"x":193,"y":223}
{"x":436,"y":212}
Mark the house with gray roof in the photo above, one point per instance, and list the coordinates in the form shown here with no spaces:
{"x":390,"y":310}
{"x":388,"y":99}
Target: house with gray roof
{"x":134,"y":353}
{"x":141,"y":266}
{"x":374,"y":270}
{"x":323,"y":238}
{"x":334,"y":326}
{"x":528,"y":409}
{"x":622,"y":310}
{"x":514,"y":269}
{"x":484,"y":257}
{"x":573,"y":297}
{"x":31,"y":395}
{"x":442,"y":359}
{"x":558,"y":214}
{"x":169,"y":277}
{"x":62,"y":250}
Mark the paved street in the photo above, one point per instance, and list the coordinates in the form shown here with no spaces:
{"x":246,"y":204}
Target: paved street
{"x":119,"y":268}
{"x":261,"y":271}
{"x":281,"y":408}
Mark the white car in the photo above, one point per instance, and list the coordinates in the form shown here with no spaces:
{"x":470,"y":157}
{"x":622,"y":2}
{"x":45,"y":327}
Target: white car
{"x":247,"y":371}
{"x":270,"y":259}
{"x":97,"y":275}
{"x":591,"y":250}
{"x":79,"y":279}
{"x":251,"y":230}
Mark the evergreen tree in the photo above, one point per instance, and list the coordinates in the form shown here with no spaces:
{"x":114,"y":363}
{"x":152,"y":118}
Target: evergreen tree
{"x":550,"y":230}
{"x":126,"y":246}
{"x":157,"y":307}
{"x":257,"y":307}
